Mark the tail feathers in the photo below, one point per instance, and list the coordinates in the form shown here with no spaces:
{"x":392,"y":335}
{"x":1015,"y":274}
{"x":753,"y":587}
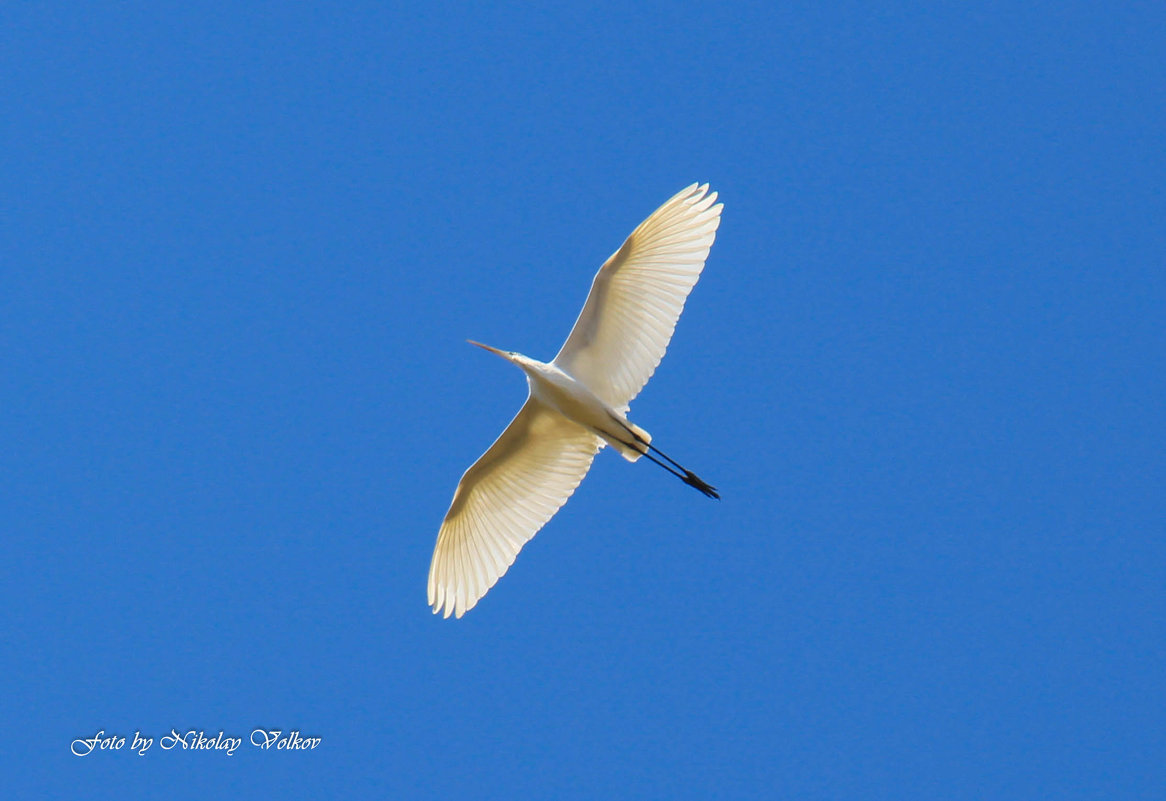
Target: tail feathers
{"x":633,"y":442}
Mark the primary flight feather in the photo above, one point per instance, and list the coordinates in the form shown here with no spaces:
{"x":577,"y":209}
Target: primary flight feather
{"x":577,"y":403}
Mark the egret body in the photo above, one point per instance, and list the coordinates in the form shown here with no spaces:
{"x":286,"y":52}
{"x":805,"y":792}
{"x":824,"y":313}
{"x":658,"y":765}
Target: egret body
{"x":577,"y":403}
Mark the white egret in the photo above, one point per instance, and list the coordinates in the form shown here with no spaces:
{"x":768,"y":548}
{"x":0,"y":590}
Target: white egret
{"x":577,"y":403}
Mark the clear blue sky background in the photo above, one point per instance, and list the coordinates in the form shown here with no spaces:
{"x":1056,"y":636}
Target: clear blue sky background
{"x":241,"y":247}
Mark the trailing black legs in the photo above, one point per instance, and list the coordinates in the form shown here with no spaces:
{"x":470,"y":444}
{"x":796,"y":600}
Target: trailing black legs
{"x":671,"y":465}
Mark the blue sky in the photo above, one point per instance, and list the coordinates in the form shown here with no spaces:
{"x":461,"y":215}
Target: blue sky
{"x":242,"y":247}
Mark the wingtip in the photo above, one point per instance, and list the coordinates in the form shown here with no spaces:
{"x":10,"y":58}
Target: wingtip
{"x":688,"y":194}
{"x":441,"y":607}
{"x":697,"y":194}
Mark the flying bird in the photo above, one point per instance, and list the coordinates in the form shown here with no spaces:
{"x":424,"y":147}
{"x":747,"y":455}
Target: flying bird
{"x":577,"y":402}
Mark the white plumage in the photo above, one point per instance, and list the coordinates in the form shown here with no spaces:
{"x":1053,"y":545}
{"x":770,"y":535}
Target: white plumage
{"x":577,"y":403}
{"x":637,"y":296}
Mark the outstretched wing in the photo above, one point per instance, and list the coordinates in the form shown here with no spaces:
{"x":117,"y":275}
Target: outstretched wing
{"x":637,"y":297}
{"x":503,"y":500}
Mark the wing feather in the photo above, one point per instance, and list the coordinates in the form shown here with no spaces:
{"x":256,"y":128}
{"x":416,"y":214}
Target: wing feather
{"x":503,"y":500}
{"x":637,"y":297}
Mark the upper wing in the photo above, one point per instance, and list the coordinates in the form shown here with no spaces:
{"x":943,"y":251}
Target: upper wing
{"x":503,"y":500}
{"x":637,"y":297}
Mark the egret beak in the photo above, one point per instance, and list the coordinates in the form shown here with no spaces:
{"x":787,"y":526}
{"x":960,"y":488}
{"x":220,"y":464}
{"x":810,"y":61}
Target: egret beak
{"x":501,"y":353}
